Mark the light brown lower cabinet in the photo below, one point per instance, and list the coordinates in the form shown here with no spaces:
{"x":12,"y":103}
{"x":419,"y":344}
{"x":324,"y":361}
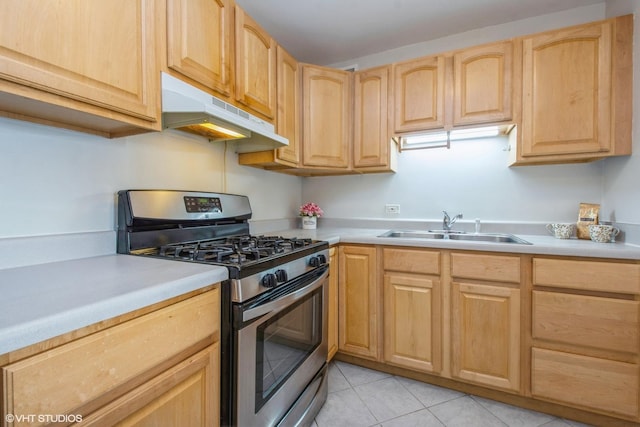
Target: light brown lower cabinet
{"x":485,"y":335}
{"x":158,"y":367}
{"x":485,"y":319}
{"x":185,"y":394}
{"x":412,"y":309}
{"x":558,"y":334}
{"x":358,"y":302}
{"x":586,"y":334}
{"x":412,"y":322}
{"x":607,"y":386}
{"x":332,"y":309}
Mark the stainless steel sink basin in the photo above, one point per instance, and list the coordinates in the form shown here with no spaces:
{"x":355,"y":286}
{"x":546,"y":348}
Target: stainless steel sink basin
{"x":476,"y":237}
{"x":413,"y":234}
{"x":489,"y":237}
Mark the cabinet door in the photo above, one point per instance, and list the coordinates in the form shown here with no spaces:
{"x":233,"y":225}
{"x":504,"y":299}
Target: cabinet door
{"x":483,"y":84}
{"x":288,"y":115}
{"x":88,"y":55}
{"x":603,"y":385}
{"x":358,"y":302}
{"x":412,"y":322}
{"x":566,"y":95}
{"x":255,"y":66}
{"x":609,"y":324}
{"x":332,"y":312}
{"x":187,"y":394}
{"x":326,"y":117}
{"x":199,"y":41}
{"x":419,"y":94}
{"x":485,"y":335}
{"x":371,"y":118}
{"x":90,"y":372}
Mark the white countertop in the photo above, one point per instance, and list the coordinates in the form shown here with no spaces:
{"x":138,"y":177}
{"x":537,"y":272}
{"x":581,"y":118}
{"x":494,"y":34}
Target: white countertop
{"x":46,"y":300}
{"x":542,"y":245}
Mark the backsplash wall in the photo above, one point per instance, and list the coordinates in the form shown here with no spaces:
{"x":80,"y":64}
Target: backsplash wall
{"x":55,"y":181}
{"x":472,"y":177}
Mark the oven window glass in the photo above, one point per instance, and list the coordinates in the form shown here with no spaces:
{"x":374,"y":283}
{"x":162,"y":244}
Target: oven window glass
{"x":284,"y":342}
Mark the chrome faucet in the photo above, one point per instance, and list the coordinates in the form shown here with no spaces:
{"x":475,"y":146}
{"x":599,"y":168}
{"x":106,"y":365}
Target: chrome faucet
{"x":448,"y":222}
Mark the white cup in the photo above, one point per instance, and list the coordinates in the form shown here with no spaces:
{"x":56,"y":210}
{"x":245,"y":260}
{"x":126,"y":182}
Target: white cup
{"x":603,"y":233}
{"x":561,"y":231}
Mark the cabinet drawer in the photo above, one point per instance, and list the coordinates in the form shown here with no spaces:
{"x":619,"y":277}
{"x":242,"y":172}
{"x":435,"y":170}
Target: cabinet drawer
{"x":486,"y":267}
{"x":604,"y":323}
{"x":67,"y":377}
{"x":412,"y":261}
{"x":587,"y":275}
{"x":604,"y":385}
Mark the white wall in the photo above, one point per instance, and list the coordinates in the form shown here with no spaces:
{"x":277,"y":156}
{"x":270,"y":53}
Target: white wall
{"x":54,"y":181}
{"x":622,"y":175}
{"x":480,"y":36}
{"x":472,"y":177}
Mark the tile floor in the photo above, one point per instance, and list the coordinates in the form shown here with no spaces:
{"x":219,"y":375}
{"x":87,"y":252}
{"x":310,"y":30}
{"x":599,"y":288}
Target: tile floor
{"x":364,"y":397}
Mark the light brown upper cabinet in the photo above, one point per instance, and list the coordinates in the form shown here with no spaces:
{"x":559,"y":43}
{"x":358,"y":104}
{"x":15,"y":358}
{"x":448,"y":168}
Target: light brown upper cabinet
{"x":287,"y":119}
{"x":461,"y":88}
{"x":288,"y":111}
{"x":340,"y":120}
{"x":482,"y":84}
{"x":100,"y":75}
{"x":326,"y":117}
{"x":199,"y":35}
{"x":576,"y":97}
{"x":373,"y":149}
{"x":419,"y":94}
{"x":255,"y":55}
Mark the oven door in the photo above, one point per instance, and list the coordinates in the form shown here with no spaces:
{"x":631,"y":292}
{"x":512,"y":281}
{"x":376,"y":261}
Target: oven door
{"x":281,"y":348}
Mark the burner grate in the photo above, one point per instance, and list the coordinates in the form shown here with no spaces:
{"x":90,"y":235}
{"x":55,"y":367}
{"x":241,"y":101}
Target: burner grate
{"x":234,"y":250}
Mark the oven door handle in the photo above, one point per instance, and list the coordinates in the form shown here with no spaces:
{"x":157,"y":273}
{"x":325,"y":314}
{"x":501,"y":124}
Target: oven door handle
{"x":285,"y":301}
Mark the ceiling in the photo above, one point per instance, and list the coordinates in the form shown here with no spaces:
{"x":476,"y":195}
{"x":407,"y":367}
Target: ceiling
{"x":327,"y":32}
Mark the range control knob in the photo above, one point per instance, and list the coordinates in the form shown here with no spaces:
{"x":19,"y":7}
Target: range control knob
{"x":269,"y":280}
{"x":281,"y":275}
{"x":317,"y":261}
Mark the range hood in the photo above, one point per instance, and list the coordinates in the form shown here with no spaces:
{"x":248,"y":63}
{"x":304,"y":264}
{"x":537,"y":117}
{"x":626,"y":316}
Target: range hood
{"x":189,"y":109}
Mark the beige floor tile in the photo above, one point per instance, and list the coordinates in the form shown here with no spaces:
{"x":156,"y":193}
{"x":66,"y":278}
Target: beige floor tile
{"x":344,"y":409}
{"x":357,"y":375}
{"x":387,"y":399}
{"x":423,"y":418}
{"x":365,"y":397}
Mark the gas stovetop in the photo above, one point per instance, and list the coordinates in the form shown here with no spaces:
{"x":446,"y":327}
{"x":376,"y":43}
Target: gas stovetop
{"x":236,"y":251}
{"x":210,"y":228}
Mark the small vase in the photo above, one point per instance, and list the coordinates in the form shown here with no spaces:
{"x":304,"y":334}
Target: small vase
{"x":309,"y":222}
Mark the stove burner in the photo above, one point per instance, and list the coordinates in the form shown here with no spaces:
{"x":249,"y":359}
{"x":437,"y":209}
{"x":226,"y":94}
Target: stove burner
{"x":234,"y":250}
{"x":182,"y":251}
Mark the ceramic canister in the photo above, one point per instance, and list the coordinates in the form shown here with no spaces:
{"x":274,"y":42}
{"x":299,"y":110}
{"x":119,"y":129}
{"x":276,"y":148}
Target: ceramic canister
{"x":561,"y":231}
{"x":603,"y":233}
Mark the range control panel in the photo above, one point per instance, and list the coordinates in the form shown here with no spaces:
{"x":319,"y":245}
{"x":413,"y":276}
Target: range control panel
{"x":203,"y":204}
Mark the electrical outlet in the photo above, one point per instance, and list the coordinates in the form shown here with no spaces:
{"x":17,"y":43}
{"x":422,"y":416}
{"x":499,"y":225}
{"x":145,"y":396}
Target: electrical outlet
{"x":392,"y":209}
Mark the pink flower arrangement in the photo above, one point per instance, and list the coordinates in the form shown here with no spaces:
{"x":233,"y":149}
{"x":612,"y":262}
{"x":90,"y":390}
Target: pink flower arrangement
{"x":311,"y":209}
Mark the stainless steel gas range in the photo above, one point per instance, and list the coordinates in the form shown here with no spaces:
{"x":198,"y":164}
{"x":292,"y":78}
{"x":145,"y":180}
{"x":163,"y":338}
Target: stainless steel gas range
{"x":274,"y":323}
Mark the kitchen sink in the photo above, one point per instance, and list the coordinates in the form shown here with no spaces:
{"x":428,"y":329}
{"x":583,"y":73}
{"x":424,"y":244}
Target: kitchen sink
{"x":475,"y":237}
{"x":413,"y":234}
